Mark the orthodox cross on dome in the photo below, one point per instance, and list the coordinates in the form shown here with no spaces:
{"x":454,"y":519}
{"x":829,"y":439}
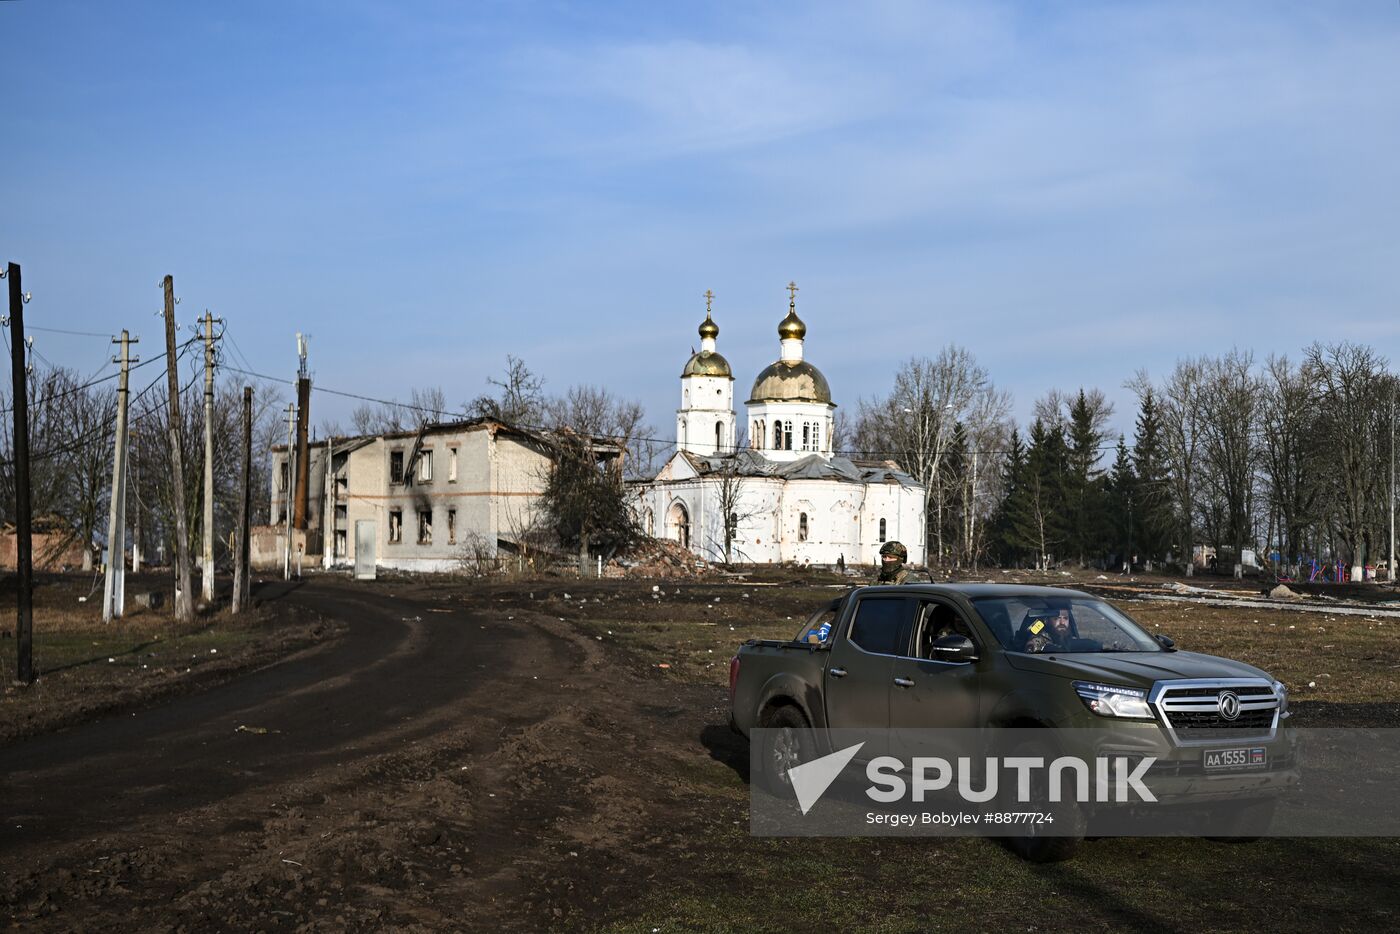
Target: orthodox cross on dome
{"x":792,"y":294}
{"x":709,"y":297}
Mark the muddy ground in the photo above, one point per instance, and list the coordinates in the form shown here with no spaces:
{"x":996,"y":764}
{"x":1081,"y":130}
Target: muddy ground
{"x":533,"y":754}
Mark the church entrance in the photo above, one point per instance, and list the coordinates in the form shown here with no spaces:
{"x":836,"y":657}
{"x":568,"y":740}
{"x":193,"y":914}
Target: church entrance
{"x":679,"y":523}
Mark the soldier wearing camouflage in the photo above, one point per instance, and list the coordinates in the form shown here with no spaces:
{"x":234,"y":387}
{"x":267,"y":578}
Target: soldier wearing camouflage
{"x":892,"y":558}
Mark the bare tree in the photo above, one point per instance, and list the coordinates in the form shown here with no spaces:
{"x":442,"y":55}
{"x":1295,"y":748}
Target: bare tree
{"x":1229,"y":440}
{"x":1180,"y":401}
{"x":1351,"y":379}
{"x":1291,"y":453}
{"x":915,"y":423}
{"x":520,"y":397}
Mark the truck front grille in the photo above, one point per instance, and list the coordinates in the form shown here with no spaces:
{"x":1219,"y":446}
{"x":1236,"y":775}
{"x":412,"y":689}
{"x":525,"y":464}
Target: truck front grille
{"x":1192,"y":713}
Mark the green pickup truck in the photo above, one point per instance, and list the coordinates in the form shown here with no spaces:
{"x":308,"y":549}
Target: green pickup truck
{"x":988,"y":656}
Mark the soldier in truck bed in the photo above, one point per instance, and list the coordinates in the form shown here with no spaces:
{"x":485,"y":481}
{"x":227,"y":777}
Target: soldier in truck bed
{"x":892,"y":558}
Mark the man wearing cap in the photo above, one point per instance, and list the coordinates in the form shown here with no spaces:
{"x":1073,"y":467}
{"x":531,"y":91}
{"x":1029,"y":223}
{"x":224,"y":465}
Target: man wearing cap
{"x":892,"y":558}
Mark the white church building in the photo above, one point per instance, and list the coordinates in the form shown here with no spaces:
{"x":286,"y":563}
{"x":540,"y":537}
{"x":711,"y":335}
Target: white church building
{"x":787,"y":496}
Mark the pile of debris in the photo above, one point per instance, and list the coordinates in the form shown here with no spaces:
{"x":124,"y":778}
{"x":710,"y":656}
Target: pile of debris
{"x":656,"y":557}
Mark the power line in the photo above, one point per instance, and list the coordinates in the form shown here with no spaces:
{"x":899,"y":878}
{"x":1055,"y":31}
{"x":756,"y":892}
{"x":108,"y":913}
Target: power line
{"x":29,"y":327}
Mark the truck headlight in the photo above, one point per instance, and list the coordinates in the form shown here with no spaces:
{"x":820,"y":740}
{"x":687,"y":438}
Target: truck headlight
{"x":1111,"y":700}
{"x":1281,"y":690}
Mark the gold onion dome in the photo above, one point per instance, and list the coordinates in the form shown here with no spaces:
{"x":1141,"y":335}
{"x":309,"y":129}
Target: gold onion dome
{"x":707,"y":363}
{"x":791,"y":327}
{"x":708,"y":328}
{"x":796,"y":381}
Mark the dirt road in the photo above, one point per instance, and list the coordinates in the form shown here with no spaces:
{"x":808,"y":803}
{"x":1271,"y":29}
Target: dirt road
{"x":441,"y":765}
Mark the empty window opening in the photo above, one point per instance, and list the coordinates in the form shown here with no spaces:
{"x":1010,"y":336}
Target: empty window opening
{"x":396,"y":466}
{"x":451,"y":526}
{"x":395,"y":526}
{"x":425,"y":526}
{"x":802,"y":527}
{"x":882,"y":530}
{"x":451,"y":465}
{"x":425,"y":466}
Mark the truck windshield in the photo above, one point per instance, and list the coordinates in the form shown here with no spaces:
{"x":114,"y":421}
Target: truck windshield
{"x":1068,"y":624}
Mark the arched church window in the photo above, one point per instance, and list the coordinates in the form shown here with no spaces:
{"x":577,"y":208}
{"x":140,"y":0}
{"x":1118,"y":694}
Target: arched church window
{"x":777,"y":436}
{"x":802,"y":527}
{"x":882,"y":530}
{"x":806,"y":436}
{"x":787,"y":435}
{"x":817,"y":436}
{"x":719,"y":436}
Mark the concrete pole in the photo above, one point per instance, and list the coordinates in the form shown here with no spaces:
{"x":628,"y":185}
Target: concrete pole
{"x":136,"y":525}
{"x":114,"y":589}
{"x":287,"y":493}
{"x":207,"y":564}
{"x":184,"y":599}
{"x":241,"y":583}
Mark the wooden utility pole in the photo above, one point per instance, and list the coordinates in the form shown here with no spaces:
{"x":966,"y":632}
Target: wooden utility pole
{"x":207,"y":566}
{"x":184,"y":599}
{"x":24,"y":552}
{"x":241,"y":583}
{"x":114,"y":589}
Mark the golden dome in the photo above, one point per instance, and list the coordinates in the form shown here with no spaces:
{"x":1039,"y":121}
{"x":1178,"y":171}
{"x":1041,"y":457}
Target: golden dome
{"x":797,"y":381}
{"x":707,"y":363}
{"x":708,"y":328}
{"x":792,"y":327}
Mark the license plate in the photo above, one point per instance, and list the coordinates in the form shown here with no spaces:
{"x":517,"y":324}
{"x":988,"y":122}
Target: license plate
{"x":1243,"y":757}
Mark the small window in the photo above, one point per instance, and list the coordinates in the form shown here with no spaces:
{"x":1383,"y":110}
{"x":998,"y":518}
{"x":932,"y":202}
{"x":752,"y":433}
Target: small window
{"x":802,"y":527}
{"x":395,"y":526}
{"x":806,"y":436}
{"x":817,"y":436}
{"x":882,"y":530}
{"x":777,"y":436}
{"x":396,"y":466}
{"x":880,"y":625}
{"x":340,"y":537}
{"x":719,"y":436}
{"x":425,"y":526}
{"x":282,"y":476}
{"x":425,"y":466}
{"x":787,"y":435}
{"x":451,"y":465}
{"x":451,"y":526}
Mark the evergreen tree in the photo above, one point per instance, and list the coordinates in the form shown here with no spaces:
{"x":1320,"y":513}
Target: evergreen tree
{"x":1084,"y":482}
{"x":1153,"y":518}
{"x":1040,"y":525}
{"x":1122,"y":499}
{"x":1008,"y":546}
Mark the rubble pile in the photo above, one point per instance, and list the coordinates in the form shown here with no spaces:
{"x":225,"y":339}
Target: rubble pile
{"x":656,"y":557}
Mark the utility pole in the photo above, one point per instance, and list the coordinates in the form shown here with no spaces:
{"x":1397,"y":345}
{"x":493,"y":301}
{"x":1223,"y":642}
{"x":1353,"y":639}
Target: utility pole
{"x":301,"y":501}
{"x":136,"y":530}
{"x":24,"y":553}
{"x":241,"y":584}
{"x":287,"y":492}
{"x":207,"y":567}
{"x":184,"y":600}
{"x":1391,"y":563}
{"x":114,"y":589}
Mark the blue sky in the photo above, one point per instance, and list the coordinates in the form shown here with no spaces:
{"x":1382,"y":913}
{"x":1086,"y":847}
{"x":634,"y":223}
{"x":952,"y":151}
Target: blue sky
{"x":1070,"y":190}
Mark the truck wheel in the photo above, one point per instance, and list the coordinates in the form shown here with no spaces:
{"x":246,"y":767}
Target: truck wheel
{"x":1242,"y":822}
{"x":1069,"y":823}
{"x":787,"y":742}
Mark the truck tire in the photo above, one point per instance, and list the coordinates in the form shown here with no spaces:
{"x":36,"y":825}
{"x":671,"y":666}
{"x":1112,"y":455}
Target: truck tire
{"x":787,"y":741}
{"x":1070,"y":821}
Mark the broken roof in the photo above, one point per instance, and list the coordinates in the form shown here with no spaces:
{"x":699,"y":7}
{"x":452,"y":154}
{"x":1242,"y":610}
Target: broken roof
{"x":749,"y":463}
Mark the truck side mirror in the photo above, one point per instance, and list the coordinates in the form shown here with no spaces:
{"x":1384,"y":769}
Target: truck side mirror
{"x":953,"y":648}
{"x":1167,"y":642}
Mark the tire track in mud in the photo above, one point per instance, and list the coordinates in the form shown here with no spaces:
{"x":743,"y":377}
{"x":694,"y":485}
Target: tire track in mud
{"x":436,"y":770}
